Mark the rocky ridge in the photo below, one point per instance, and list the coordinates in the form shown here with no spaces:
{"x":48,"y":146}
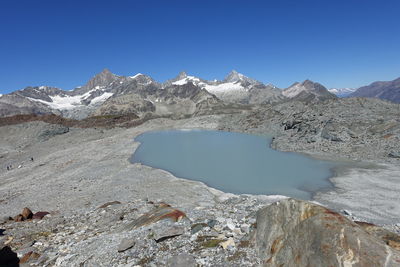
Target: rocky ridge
{"x":388,"y":90}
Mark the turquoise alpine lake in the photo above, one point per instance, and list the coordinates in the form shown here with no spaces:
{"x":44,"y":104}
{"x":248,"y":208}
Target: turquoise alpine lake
{"x":233,"y":162}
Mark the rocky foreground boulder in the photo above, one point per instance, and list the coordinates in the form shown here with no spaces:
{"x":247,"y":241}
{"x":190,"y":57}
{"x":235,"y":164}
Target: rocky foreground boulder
{"x":299,"y":233}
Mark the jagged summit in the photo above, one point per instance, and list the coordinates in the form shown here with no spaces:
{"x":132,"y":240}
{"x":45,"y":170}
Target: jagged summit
{"x":181,"y":75}
{"x":235,"y":77}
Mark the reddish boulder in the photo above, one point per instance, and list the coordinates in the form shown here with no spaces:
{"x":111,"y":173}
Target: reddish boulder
{"x":27,"y":213}
{"x":164,"y":212}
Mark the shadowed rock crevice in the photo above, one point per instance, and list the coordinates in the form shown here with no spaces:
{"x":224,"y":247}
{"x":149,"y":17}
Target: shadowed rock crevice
{"x":8,"y":258}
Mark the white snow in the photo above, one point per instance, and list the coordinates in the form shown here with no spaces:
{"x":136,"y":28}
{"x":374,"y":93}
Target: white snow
{"x":69,"y":102}
{"x":135,"y":76}
{"x":1,"y":95}
{"x":42,"y":87}
{"x":341,"y":91}
{"x":61,"y":102}
{"x":224,"y":87}
{"x":101,"y":98}
{"x":187,"y":79}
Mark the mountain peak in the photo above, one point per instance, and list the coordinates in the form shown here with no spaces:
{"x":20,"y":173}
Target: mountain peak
{"x":234,"y":76}
{"x":307,"y":87}
{"x":103,"y":78}
{"x":105,"y":71}
{"x":181,"y":75}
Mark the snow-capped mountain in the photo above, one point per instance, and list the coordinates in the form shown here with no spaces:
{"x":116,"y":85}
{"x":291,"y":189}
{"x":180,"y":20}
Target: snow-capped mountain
{"x":307,"y":90}
{"x":77,"y":103}
{"x":110,"y":94}
{"x":341,"y":92}
{"x":235,"y":88}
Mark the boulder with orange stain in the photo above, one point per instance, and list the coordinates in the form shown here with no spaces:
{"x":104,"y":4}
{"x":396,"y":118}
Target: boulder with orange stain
{"x":299,"y":233}
{"x":162,"y":212}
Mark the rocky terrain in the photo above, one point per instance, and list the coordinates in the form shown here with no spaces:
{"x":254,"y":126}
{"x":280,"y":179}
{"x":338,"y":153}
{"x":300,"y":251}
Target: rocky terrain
{"x":105,"y":211}
{"x":70,"y":197}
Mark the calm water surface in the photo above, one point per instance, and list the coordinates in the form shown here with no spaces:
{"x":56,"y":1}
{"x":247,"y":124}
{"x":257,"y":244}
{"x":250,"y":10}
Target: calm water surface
{"x":233,"y":162}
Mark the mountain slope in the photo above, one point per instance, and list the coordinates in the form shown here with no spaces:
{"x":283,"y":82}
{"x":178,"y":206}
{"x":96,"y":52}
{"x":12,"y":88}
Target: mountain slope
{"x":389,"y":90}
{"x":307,"y":90}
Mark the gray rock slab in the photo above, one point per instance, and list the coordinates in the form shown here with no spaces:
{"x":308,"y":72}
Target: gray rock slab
{"x":182,"y":260}
{"x":126,"y":244}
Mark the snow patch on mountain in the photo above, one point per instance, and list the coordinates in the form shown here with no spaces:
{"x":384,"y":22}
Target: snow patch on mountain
{"x":66,"y":102}
{"x":101,"y":98}
{"x":342,"y":92}
{"x":135,"y":76}
{"x":224,"y":87}
{"x":60,"y":102}
{"x":188,"y":79}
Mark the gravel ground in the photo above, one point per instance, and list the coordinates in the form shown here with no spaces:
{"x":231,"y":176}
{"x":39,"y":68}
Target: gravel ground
{"x":74,"y":171}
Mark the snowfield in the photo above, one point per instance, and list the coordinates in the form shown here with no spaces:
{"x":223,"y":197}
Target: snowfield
{"x":67,"y":102}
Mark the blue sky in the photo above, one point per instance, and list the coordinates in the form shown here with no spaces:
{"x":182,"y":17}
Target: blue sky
{"x":64,"y":43}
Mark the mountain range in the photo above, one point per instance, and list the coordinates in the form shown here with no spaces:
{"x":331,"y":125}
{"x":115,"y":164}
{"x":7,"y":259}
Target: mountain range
{"x":110,"y":94}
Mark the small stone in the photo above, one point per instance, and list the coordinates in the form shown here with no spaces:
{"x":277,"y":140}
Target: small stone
{"x":230,"y":225}
{"x":197,"y":227}
{"x":9,"y":239}
{"x":228,"y":244}
{"x":237,"y":231}
{"x":105,"y":205}
{"x":182,"y":260}
{"x":126,"y":244}
{"x":212,"y":223}
{"x":27,"y":214}
{"x":245,"y":228}
{"x":162,"y":234}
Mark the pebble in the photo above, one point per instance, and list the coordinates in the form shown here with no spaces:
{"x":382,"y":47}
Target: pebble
{"x":228,"y":244}
{"x":126,"y":244}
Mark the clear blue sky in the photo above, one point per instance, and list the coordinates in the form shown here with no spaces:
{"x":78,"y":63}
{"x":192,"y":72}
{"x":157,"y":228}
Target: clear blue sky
{"x":64,"y":43}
